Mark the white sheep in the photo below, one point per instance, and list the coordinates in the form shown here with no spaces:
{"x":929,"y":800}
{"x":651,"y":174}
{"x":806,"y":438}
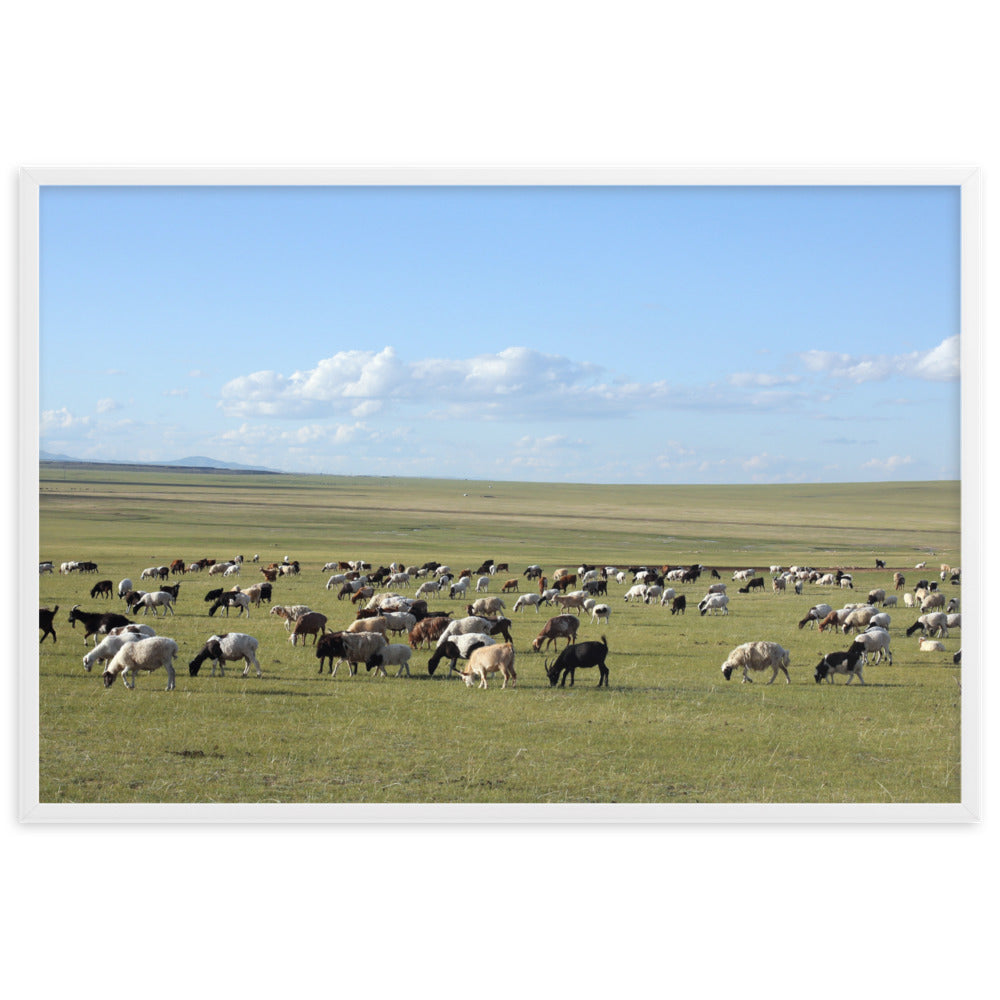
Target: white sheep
{"x":143,"y":631}
{"x":909,"y":601}
{"x":460,"y":587}
{"x":397,"y":622}
{"x":146,"y":654}
{"x":636,"y":593}
{"x":932,"y":600}
{"x":876,"y":641}
{"x":336,"y":580}
{"x":428,"y":587}
{"x":758,"y":656}
{"x":935,"y":621}
{"x":713,"y":603}
{"x":124,"y":586}
{"x":107,"y":648}
{"x":483,"y":585}
{"x":486,"y":606}
{"x":931,"y":646}
{"x":463,"y":626}
{"x":891,"y":601}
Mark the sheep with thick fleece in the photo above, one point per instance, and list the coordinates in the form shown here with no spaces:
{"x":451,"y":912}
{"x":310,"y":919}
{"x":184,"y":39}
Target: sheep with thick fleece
{"x":463,"y":626}
{"x":107,"y":648}
{"x":352,"y":648}
{"x":758,"y":656}
{"x":875,"y":641}
{"x":397,"y":622}
{"x":936,"y":621}
{"x":932,"y":601}
{"x":146,"y":654}
{"x":486,"y":606}
{"x":490,"y":660}
{"x":714,"y":602}
{"x":931,"y":646}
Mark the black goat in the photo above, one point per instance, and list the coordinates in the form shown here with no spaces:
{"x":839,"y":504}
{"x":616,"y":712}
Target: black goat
{"x":678,"y":605}
{"x":101,"y":589}
{"x":578,"y":657}
{"x":45,"y":622}
{"x":96,"y":621}
{"x":213,"y":595}
{"x":757,"y":583}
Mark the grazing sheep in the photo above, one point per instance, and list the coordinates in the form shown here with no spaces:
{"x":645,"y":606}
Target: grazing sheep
{"x":486,"y":606}
{"x":107,"y":648}
{"x":936,"y":621}
{"x":891,"y":600}
{"x":314,"y":623}
{"x":713,"y":603}
{"x":559,"y":627}
{"x":392,"y":655}
{"x":758,"y":656}
{"x":228,"y":646}
{"x":931,"y":601}
{"x":876,"y":597}
{"x":146,"y":654}
{"x":46,"y":621}
{"x":347,"y":647}
{"x":849,"y":663}
{"x":931,"y":646}
{"x":124,"y":586}
{"x":459,"y":588}
{"x":490,"y":660}
{"x":667,"y":596}
{"x":859,"y":618}
{"x":898,"y":580}
{"x":816,"y":614}
{"x":428,"y":587}
{"x":909,"y":601}
{"x":101,"y":589}
{"x":578,"y":657}
{"x":398,"y":622}
{"x":679,"y":605}
{"x":636,"y":593}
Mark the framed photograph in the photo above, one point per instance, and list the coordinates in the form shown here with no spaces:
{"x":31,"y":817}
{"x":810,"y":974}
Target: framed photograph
{"x":589,"y":495}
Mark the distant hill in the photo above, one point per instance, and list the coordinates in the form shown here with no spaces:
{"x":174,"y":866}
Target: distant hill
{"x":193,"y":462}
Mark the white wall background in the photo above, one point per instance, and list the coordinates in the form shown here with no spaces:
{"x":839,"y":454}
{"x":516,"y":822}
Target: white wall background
{"x":814,"y":910}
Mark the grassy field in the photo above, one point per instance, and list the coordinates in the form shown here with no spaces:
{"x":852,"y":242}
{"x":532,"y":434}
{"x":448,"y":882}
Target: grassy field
{"x":669,"y":730}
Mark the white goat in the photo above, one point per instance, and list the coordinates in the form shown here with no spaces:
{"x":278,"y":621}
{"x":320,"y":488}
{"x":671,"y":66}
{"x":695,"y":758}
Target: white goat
{"x":528,"y":600}
{"x":107,"y":648}
{"x":158,"y":599}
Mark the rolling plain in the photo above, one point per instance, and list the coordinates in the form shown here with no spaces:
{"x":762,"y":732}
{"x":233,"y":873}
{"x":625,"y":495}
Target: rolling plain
{"x":669,"y":729}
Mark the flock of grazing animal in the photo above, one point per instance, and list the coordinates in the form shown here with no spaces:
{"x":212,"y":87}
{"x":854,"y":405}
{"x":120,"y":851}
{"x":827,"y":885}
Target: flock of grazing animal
{"x":127,"y":647}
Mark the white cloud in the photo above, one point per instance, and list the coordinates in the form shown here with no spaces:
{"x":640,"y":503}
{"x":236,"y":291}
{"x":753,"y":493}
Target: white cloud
{"x":175,"y":392}
{"x":60,"y":420}
{"x":762,"y":379}
{"x":106,"y":405}
{"x":940,"y":364}
{"x":887,"y":465}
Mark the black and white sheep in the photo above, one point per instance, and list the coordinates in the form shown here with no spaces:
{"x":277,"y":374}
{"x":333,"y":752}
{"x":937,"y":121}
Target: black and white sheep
{"x":849,"y":662}
{"x":228,"y":646}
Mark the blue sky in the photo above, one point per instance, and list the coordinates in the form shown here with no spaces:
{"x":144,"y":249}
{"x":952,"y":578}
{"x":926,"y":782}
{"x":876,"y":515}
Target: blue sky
{"x":628,"y":334}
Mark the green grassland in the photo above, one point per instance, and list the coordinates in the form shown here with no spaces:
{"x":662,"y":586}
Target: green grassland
{"x":669,"y":730}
